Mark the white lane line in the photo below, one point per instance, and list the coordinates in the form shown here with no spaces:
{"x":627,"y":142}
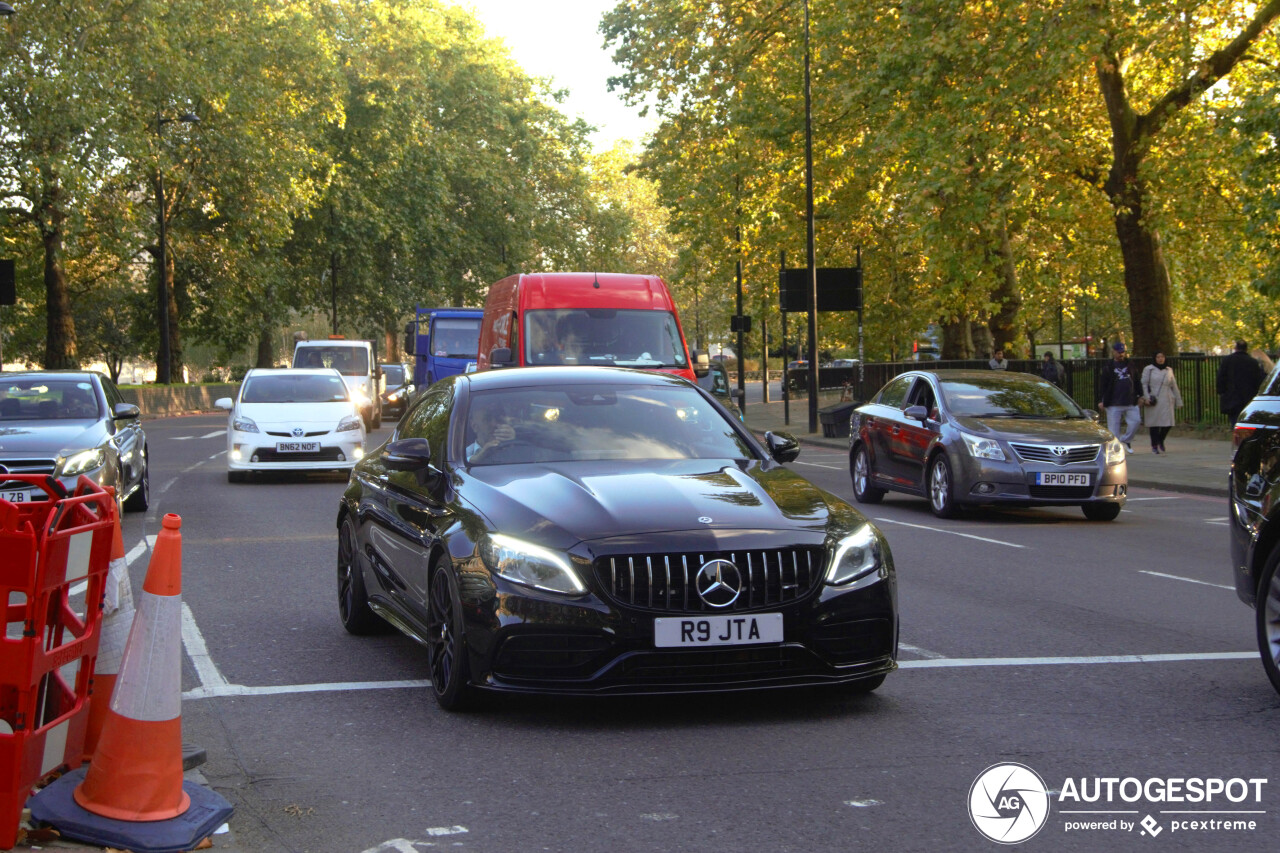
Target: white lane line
{"x":972,"y":662}
{"x":916,"y":650}
{"x":952,"y":532}
{"x":1223,"y":521}
{"x":193,"y":640}
{"x":1169,"y":498}
{"x":1188,"y":580}
{"x":816,"y":465}
{"x":214,"y":434}
{"x":937,"y":663}
{"x":272,"y":690}
{"x":181,"y":437}
{"x":136,"y":552}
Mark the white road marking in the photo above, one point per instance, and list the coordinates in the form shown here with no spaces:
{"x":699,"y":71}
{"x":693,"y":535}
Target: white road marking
{"x":659,"y":816}
{"x":400,"y":845}
{"x":436,"y":831}
{"x":197,"y":437}
{"x":816,"y":465}
{"x":181,"y":437}
{"x":193,"y":640}
{"x":1223,"y":521}
{"x":214,"y":434}
{"x":952,"y":532}
{"x":916,"y":650}
{"x":1169,"y":498}
{"x":936,"y":663}
{"x":272,"y":690}
{"x":1188,"y":580}
{"x":862,"y":804}
{"x":136,"y":552}
{"x":973,"y":662}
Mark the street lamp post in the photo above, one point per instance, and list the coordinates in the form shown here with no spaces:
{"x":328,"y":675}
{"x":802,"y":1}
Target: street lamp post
{"x":164,"y":358}
{"x":811,"y":276}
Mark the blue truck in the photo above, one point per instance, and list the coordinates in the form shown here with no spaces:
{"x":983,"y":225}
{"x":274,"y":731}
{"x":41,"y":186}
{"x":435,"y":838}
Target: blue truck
{"x":443,"y":342}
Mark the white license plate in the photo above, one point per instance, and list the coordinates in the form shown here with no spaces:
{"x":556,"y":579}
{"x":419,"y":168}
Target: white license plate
{"x":297,"y":447}
{"x":16,"y":497}
{"x":1058,"y":478}
{"x":724,"y":630}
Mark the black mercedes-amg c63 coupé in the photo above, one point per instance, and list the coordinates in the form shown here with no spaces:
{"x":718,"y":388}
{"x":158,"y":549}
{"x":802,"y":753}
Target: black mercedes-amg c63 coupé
{"x":597,"y":531}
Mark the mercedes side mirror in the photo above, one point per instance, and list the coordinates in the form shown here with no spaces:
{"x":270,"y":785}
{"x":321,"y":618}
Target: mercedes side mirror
{"x":783,"y":446}
{"x":414,"y":456}
{"x":125,"y":411}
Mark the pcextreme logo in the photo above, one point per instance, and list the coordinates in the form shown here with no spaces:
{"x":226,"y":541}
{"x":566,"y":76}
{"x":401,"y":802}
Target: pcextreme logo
{"x":1009,"y":803}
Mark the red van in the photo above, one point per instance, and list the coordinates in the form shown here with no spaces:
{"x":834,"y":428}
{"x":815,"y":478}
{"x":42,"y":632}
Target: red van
{"x":613,"y":319}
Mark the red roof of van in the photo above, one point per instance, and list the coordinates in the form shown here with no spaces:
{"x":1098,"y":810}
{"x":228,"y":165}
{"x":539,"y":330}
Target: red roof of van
{"x":594,"y":290}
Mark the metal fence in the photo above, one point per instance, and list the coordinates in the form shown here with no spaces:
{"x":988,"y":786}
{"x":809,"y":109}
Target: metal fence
{"x":1196,"y":375}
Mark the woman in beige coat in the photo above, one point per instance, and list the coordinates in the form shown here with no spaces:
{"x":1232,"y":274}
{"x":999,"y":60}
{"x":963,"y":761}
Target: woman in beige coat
{"x":1160,"y":388}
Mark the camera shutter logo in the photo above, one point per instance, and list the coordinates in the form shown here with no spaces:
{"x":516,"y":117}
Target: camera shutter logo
{"x":1008,"y":803}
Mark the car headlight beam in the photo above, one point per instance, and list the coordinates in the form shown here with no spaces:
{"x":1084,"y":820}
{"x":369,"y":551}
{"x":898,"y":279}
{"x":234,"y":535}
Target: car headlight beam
{"x":983,"y":448}
{"x":856,"y":556}
{"x":79,"y":463}
{"x":531,"y":565}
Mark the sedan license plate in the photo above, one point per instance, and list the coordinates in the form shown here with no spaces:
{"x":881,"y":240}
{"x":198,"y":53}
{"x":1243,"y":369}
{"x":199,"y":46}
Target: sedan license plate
{"x":297,"y":446}
{"x":727,"y":630}
{"x":1060,"y":478}
{"x":16,"y":497}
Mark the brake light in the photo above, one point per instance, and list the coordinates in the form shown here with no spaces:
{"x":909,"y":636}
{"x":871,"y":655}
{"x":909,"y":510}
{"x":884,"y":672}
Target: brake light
{"x":1239,"y":432}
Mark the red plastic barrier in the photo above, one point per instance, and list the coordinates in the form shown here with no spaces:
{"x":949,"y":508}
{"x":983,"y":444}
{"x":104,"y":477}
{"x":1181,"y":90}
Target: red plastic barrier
{"x":48,"y":650}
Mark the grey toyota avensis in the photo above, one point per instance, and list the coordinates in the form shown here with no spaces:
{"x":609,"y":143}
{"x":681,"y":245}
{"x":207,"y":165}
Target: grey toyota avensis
{"x":966,"y":438}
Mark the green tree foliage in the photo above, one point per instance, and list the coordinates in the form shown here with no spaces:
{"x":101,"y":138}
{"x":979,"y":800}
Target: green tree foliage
{"x":997,"y":159}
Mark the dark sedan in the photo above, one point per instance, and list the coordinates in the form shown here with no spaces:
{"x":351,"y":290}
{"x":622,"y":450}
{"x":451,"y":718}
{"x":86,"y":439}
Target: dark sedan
{"x":1254,"y":488}
{"x":71,"y":424}
{"x":966,"y":438}
{"x":608,"y":531}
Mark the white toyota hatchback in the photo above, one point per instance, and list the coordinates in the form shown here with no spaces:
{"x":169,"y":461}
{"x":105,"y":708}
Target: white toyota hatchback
{"x":292,"y":420}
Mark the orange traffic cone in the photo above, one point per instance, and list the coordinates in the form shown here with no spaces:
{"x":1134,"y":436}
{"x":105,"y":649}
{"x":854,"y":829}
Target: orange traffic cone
{"x":136,"y":772}
{"x":117,"y":617}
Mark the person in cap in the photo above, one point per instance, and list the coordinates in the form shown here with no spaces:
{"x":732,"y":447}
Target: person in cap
{"x":1119,"y":396}
{"x":1239,"y":376}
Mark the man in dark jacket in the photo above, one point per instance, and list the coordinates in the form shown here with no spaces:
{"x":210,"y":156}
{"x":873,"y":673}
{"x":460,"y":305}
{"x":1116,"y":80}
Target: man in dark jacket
{"x":1239,"y":376}
{"x":1051,"y":369}
{"x":1119,"y":395}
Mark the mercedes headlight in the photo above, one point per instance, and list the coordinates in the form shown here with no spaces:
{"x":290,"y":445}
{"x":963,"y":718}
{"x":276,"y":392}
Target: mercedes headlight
{"x":243,"y":424}
{"x":1115,"y":452}
{"x":983,"y":448}
{"x":79,"y":463}
{"x":350,"y":422}
{"x":857,"y":555}
{"x":531,"y":565}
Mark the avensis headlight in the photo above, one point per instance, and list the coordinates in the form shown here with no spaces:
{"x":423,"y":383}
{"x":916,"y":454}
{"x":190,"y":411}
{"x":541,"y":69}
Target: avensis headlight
{"x":856,"y":556}
{"x":350,"y":422}
{"x":79,"y":463}
{"x":243,"y":424}
{"x":1115,"y":452}
{"x":531,"y":565}
{"x":983,"y":448}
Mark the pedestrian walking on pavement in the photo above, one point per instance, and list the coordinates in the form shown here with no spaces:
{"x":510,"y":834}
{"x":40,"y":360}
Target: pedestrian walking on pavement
{"x":1239,"y":376}
{"x":998,"y":361}
{"x":1051,"y":369}
{"x":1160,"y":390}
{"x":1119,"y":396}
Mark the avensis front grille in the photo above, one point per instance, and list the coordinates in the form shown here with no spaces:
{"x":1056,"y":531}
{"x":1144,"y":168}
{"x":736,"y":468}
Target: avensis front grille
{"x":1070,"y":453}
{"x":668,"y":581}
